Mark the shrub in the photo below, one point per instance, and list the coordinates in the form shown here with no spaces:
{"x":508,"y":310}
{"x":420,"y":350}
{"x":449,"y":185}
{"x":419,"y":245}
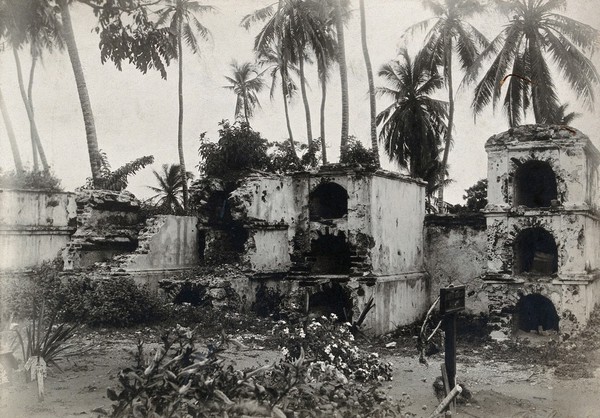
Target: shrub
{"x":113,"y":301}
{"x":22,"y":293}
{"x":181,"y":380}
{"x":239,"y":148}
{"x":329,"y":345}
{"x":355,"y":153}
{"x":35,"y":180}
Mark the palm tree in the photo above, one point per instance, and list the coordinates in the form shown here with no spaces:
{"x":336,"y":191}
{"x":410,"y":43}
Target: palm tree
{"x":324,"y":63}
{"x":84,"y":98}
{"x":183,"y":22}
{"x":299,"y":27}
{"x":246,"y":82}
{"x":372,"y":102}
{"x":564,"y":118}
{"x":170,"y":188}
{"x":272,"y":57}
{"x":520,"y":56}
{"x":450,"y":34}
{"x":341,"y":59}
{"x":34,"y":23}
{"x":14,"y":147}
{"x":413,"y":125}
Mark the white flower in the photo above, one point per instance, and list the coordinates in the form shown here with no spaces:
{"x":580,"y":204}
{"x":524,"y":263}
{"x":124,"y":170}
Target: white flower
{"x":286,"y":331}
{"x":327,"y":349}
{"x":333,"y":317}
{"x":302,"y":334}
{"x":285,"y":351}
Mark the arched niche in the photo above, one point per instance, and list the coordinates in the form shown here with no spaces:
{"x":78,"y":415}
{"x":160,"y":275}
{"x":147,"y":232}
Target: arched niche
{"x":535,"y":251}
{"x":535,"y":185}
{"x":328,"y":201}
{"x":536,"y":313}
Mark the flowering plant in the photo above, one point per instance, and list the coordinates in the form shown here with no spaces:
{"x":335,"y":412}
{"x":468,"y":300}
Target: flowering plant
{"x":330,"y":347}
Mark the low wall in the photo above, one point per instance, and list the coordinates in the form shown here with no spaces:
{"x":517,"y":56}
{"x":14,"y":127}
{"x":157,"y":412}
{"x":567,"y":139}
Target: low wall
{"x":455,"y":252}
{"x":34,"y":226}
{"x":167,"y":242}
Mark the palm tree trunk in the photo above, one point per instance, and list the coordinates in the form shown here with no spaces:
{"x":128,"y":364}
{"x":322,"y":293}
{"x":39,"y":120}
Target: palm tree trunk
{"x":35,"y":137}
{"x":84,"y":99}
{"x":323,"y":100}
{"x":246,"y":107}
{"x":34,"y":150}
{"x":287,"y":112}
{"x":448,"y":137}
{"x":180,"y":121}
{"x":306,"y":105}
{"x":372,"y":102}
{"x":11,"y":135}
{"x":343,"y":75}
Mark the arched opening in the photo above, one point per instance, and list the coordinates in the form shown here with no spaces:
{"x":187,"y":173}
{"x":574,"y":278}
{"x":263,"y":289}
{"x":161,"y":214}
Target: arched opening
{"x":535,"y":252}
{"x":332,"y":299}
{"x":536,"y":313}
{"x":328,"y":201}
{"x":535,"y":185}
{"x":330,"y":254}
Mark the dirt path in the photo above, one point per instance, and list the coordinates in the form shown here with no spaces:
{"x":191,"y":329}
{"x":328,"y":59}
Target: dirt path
{"x":500,"y":389}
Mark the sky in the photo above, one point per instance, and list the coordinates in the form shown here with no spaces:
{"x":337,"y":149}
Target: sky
{"x":136,"y":114}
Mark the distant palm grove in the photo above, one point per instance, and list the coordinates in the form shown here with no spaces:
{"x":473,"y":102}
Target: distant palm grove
{"x":516,"y":72}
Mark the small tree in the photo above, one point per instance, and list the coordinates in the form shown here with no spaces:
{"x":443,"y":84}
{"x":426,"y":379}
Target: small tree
{"x":476,"y":196}
{"x":239,"y":148}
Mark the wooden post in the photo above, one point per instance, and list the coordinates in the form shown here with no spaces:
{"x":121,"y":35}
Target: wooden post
{"x":450,"y":353}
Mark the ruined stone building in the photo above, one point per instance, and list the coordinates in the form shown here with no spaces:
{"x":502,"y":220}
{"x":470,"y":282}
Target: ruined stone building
{"x":333,"y":238}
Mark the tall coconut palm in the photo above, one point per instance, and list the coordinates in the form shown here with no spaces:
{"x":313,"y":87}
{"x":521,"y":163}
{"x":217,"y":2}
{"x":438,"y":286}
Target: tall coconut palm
{"x":170,"y":188}
{"x":324,"y":63}
{"x":14,"y":147}
{"x":520,"y":55}
{"x":450,"y":34}
{"x":246,"y":81}
{"x":181,"y":18}
{"x":272,"y":58}
{"x":36,"y":25}
{"x":84,"y":98}
{"x":341,"y":59}
{"x":413,"y":125}
{"x":299,"y":28}
{"x":372,"y":101}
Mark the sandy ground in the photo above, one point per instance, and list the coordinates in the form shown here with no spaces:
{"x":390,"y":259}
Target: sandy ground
{"x":499,"y":388}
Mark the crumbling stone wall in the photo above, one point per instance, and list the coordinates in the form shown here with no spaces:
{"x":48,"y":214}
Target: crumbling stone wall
{"x":34,"y":226}
{"x":455,"y":253}
{"x":107,"y":225}
{"x":166,"y":242}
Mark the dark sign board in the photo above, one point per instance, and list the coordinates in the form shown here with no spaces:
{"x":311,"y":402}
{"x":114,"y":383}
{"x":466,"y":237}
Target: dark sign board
{"x":452,"y":299}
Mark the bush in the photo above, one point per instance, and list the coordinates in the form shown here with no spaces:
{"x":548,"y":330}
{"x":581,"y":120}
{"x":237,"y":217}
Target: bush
{"x":329,"y":344}
{"x":35,"y":180}
{"x":21,"y":294}
{"x":181,"y":380}
{"x":355,"y":153}
{"x":239,"y":148}
{"x":116,"y":302}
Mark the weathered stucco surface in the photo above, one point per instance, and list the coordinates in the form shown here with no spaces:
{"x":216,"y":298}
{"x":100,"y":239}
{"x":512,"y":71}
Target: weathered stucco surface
{"x":167,"y":242}
{"x":397,"y":213}
{"x":34,"y":226}
{"x":570,"y":221}
{"x":456,"y":253}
